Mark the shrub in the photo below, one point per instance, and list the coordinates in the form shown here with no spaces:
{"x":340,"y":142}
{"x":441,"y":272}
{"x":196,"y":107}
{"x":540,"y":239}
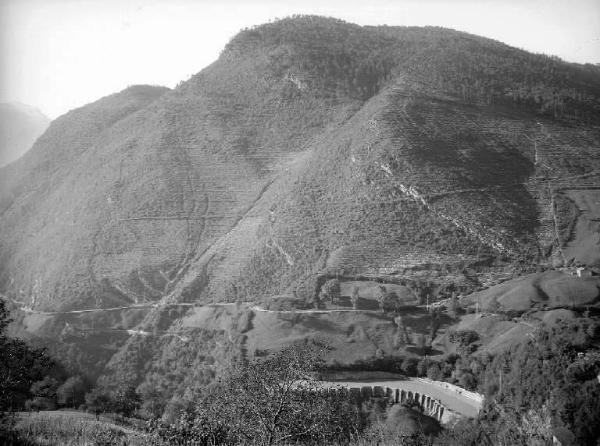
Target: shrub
{"x":409,"y":366}
{"x":98,"y":401}
{"x":330,"y":290}
{"x":72,"y":392}
{"x":435,"y":372}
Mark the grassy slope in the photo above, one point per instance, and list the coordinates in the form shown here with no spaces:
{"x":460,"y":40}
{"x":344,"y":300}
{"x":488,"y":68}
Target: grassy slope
{"x":74,"y":428}
{"x":546,"y":290}
{"x":584,"y":236}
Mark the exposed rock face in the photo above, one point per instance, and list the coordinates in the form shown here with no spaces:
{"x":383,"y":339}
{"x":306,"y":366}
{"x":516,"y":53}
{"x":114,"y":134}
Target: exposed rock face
{"x":20,"y":126}
{"x":297,"y":154}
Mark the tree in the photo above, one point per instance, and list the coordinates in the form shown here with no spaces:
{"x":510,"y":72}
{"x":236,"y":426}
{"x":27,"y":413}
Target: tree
{"x":44,"y":393}
{"x":5,"y":318}
{"x":354,"y":297}
{"x":399,"y":322}
{"x":126,"y":401}
{"x":423,"y":365}
{"x":434,"y":324}
{"x":399,"y":340}
{"x":381,"y":295}
{"x":273,"y":401}
{"x":420,"y":342}
{"x":391,"y":302}
{"x":435,"y":372}
{"x":409,"y":366}
{"x":20,"y":365}
{"x":316,"y":298}
{"x":315,"y":301}
{"x":72,"y":392}
{"x":453,"y":306}
{"x":402,"y":336}
{"x":464,"y":340}
{"x":330,"y":290}
{"x":153,"y":399}
{"x":467,"y":380}
{"x":98,"y":401}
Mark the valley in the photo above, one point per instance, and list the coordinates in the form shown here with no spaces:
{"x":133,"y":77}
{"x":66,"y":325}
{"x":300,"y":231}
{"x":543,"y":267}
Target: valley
{"x":413,"y":201}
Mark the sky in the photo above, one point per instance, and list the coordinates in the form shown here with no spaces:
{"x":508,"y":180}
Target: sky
{"x":57,"y":55}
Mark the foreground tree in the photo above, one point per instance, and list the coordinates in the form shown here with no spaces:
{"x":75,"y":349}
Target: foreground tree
{"x":98,"y":402}
{"x":44,"y":394}
{"x":126,"y":401}
{"x":72,"y":392}
{"x":20,"y":365}
{"x":273,"y":401}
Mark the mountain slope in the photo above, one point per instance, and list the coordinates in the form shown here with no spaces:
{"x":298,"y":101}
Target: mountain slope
{"x":311,"y":148}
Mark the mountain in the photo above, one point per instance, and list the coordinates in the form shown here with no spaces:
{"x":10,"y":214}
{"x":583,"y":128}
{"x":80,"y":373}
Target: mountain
{"x":425,"y":159}
{"x":20,"y":126}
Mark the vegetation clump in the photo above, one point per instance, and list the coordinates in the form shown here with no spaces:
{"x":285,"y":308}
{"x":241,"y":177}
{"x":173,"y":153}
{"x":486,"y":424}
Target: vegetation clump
{"x":275,"y":400}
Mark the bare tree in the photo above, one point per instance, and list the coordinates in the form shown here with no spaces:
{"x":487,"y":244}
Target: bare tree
{"x":271,"y":401}
{"x":381,"y":295}
{"x":354,"y":297}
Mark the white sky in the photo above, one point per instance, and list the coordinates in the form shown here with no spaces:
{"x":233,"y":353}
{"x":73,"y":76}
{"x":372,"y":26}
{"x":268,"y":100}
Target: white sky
{"x":60,"y":54}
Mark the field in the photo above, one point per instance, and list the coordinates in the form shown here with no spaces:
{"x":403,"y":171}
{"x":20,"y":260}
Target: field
{"x":360,"y":335}
{"x":73,"y":428}
{"x":70,"y":428}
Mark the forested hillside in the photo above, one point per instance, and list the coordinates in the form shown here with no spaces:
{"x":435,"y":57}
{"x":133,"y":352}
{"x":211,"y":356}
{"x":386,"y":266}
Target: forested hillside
{"x":427,"y":160}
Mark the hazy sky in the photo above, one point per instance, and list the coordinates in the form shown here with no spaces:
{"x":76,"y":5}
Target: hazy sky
{"x":60,"y":54}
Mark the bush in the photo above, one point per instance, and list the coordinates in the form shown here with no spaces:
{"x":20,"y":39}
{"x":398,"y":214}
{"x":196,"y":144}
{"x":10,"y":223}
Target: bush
{"x":98,"y":401}
{"x":72,"y":392}
{"x":465,"y":340}
{"x":391,"y":302}
{"x":409,"y":366}
{"x":40,"y":403}
{"x":330,"y":290}
{"x":126,"y":401}
{"x":435,"y":372}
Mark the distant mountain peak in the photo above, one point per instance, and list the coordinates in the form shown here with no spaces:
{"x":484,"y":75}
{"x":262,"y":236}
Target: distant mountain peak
{"x":20,"y":126}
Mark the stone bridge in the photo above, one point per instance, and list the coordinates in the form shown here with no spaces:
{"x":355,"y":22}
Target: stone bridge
{"x":429,"y":405}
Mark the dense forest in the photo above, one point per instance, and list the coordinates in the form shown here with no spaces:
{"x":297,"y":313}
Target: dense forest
{"x":338,"y":56}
